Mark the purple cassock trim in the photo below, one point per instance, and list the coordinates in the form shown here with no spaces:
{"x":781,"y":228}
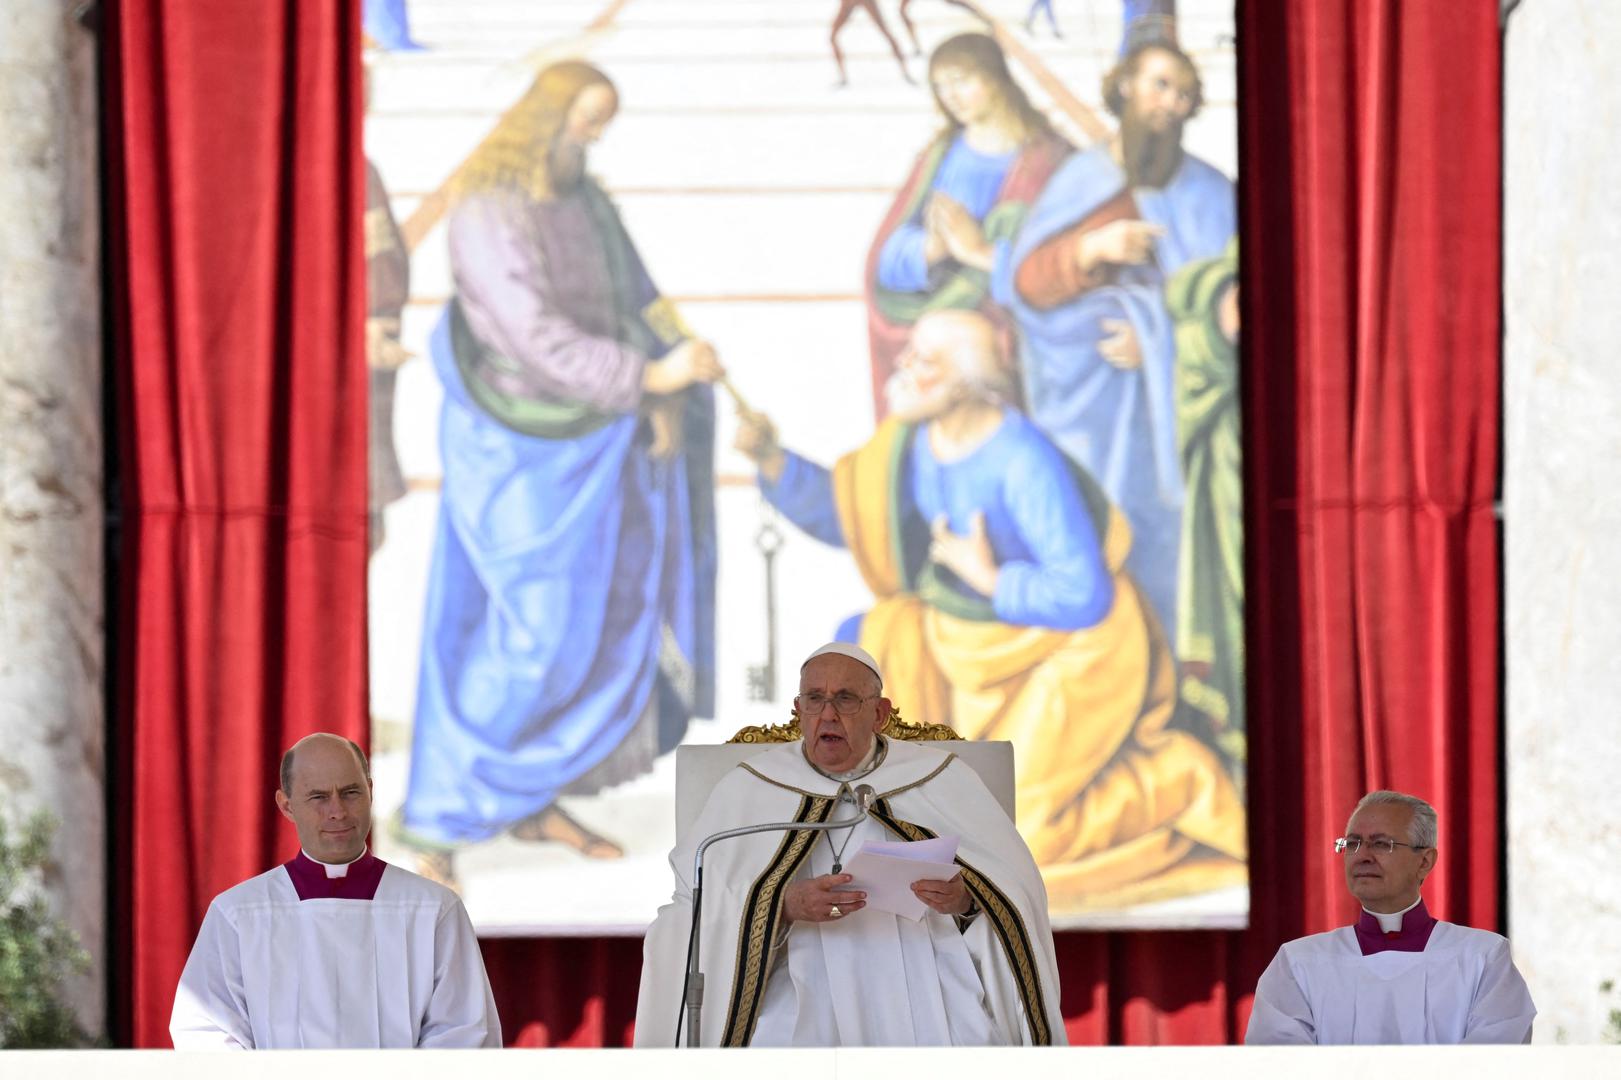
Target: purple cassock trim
{"x":1416,"y":924}
{"x":309,"y":878}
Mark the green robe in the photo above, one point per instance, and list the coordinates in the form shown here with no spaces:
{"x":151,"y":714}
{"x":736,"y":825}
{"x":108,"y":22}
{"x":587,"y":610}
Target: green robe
{"x":1210,"y":602}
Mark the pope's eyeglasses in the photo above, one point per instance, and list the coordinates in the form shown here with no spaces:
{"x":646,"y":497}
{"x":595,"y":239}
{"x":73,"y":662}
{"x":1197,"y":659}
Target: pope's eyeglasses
{"x":844,"y":702}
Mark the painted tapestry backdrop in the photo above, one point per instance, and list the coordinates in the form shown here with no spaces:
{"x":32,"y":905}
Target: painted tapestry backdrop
{"x":978,"y":320}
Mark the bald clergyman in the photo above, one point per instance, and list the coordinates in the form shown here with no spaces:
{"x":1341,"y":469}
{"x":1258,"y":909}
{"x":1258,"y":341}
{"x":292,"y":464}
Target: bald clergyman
{"x":792,"y":957}
{"x":335,"y":949}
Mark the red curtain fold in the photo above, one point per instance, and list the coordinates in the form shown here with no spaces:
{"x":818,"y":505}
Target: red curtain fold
{"x":1370,"y":176}
{"x":235,"y":193}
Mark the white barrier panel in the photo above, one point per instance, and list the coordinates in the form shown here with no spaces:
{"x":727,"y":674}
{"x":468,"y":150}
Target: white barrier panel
{"x":1115,"y":1063}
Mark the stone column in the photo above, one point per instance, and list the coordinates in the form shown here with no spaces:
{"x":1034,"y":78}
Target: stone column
{"x":1562,"y":507}
{"x":51,"y":624}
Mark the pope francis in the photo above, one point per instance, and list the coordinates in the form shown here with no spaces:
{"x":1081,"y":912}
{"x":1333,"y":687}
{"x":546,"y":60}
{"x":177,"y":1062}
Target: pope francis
{"x":793,"y":956}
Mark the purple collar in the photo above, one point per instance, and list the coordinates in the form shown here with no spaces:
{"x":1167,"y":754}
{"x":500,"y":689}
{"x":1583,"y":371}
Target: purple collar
{"x":310,"y":880}
{"x":1416,"y":924}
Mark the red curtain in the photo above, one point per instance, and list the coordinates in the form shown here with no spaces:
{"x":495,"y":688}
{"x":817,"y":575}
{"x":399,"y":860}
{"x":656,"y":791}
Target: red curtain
{"x":235,"y":189}
{"x":1370,"y":177}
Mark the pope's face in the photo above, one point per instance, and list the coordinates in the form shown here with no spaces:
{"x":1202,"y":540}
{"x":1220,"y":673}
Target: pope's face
{"x":1385,"y":883}
{"x":834,"y":741}
{"x":330,"y":801}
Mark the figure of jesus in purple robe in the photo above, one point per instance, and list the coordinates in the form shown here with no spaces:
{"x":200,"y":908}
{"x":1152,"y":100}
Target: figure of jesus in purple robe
{"x":569,"y":633}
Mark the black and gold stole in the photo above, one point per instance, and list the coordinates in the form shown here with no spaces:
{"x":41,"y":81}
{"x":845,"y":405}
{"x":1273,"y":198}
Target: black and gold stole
{"x":762,"y":915}
{"x":1006,"y":922}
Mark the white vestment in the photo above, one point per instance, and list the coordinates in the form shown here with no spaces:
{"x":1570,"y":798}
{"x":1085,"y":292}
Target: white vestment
{"x":1462,"y":988}
{"x":271,"y":971}
{"x":870,"y":978}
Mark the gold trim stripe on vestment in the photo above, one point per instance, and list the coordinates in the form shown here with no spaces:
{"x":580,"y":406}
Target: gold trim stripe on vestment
{"x":1005,"y":918}
{"x":762,"y":911}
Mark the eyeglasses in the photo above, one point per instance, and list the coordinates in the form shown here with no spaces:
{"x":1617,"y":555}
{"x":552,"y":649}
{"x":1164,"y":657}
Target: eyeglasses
{"x":844,"y":703}
{"x":1383,"y":845}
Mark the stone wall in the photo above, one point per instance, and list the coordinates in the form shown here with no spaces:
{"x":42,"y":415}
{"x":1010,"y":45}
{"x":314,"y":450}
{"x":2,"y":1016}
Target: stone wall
{"x":51,"y":625}
{"x":1562,"y":506}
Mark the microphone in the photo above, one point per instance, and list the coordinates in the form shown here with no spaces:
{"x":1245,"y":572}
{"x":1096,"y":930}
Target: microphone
{"x":692,"y":995}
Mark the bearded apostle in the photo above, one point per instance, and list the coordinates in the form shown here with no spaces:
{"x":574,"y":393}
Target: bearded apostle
{"x":1398,"y":975}
{"x":1003,"y":609}
{"x":569,"y":631}
{"x":335,"y":949}
{"x":1085,"y":283}
{"x":791,"y":952}
{"x":954,"y":219}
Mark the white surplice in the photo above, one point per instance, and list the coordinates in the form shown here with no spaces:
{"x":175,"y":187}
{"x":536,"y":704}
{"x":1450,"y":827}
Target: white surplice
{"x":1462,"y":988}
{"x":271,"y":971}
{"x":870,"y":978}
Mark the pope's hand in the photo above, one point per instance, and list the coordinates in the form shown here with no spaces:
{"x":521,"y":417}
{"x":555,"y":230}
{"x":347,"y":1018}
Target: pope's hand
{"x":814,"y":900}
{"x":946,"y":897}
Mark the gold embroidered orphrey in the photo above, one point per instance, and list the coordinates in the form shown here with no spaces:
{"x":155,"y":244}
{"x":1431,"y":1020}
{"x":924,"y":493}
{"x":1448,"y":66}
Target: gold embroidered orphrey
{"x":762,"y":912}
{"x":895,"y":728}
{"x":1005,"y":920}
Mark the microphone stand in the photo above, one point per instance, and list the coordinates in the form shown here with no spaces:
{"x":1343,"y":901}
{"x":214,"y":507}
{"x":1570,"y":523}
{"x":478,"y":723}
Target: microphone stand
{"x":693,"y":997}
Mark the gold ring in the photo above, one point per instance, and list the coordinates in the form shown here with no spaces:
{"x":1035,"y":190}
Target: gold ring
{"x":834,"y":912}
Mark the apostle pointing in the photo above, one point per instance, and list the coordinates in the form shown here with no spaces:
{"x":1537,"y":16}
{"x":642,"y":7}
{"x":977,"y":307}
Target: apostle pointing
{"x":791,"y":959}
{"x":335,"y":949}
{"x":1398,"y":975}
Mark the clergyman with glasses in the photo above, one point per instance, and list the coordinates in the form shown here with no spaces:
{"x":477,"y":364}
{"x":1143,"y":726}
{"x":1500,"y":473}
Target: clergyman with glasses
{"x":793,"y":955}
{"x":1398,"y":975}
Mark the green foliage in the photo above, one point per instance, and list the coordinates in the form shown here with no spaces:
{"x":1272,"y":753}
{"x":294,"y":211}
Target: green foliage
{"x":37,"y":951}
{"x":1611,"y":1032}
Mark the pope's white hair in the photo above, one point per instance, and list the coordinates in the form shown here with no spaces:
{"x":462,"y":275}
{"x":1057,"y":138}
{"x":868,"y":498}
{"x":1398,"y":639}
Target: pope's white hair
{"x":1425,"y":827}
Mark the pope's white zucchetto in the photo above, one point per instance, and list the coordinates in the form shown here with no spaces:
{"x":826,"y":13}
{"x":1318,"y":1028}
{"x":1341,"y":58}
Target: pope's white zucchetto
{"x":854,"y":652}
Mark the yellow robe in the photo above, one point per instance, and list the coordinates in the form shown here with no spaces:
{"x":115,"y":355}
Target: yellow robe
{"x":1118,"y":807}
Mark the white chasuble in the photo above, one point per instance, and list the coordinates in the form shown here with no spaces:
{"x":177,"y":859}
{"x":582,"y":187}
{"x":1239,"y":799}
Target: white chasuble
{"x":870,"y":978}
{"x":270,"y":970}
{"x":1461,"y":988}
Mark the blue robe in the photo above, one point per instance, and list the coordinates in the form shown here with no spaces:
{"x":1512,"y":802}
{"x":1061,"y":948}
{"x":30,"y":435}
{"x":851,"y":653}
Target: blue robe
{"x":1120,"y":425}
{"x":388,"y":25}
{"x":571,"y":594}
{"x":1044,"y":537}
{"x":966,"y":175}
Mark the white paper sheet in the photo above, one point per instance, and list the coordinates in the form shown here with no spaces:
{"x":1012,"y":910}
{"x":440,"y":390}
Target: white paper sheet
{"x":885,"y":870}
